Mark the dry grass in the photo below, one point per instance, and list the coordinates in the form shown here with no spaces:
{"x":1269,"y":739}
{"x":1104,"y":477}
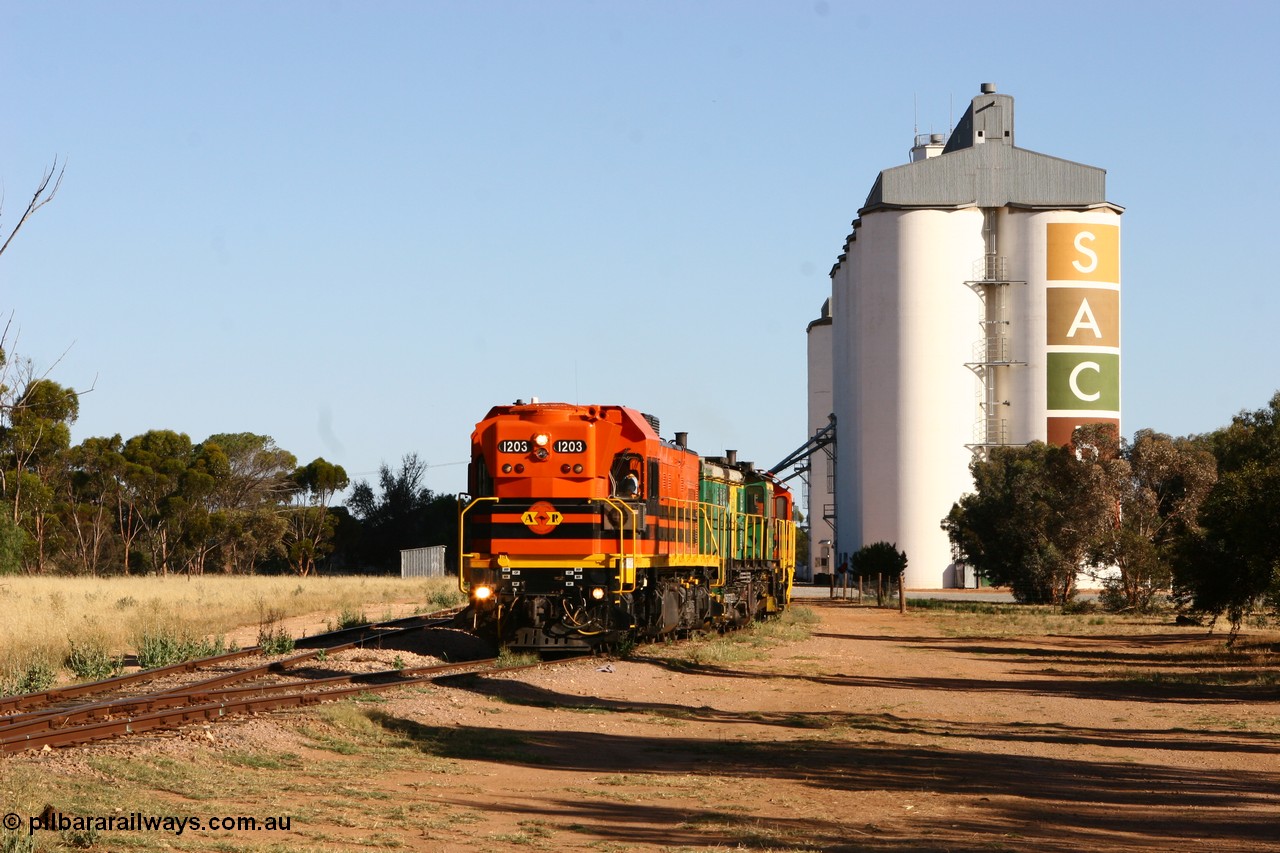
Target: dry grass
{"x":749,"y":643}
{"x":988,"y":619}
{"x":45,"y":616}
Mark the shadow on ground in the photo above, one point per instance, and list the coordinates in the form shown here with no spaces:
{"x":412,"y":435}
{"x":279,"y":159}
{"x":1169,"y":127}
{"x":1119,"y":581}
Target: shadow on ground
{"x":949,"y":785}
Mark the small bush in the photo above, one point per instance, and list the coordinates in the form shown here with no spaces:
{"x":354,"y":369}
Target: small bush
{"x":802,"y":615}
{"x":30,"y":676}
{"x":624,"y":648}
{"x":81,"y":839}
{"x":164,"y":647}
{"x":92,"y":662}
{"x":349,"y":618}
{"x":273,"y":639}
{"x":445,"y":598}
{"x":12,"y":842}
{"x":507,"y":657}
{"x":1080,"y":606}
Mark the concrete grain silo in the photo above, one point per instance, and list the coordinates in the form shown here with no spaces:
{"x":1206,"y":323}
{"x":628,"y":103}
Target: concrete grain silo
{"x":976,"y":304}
{"x":822,"y":475}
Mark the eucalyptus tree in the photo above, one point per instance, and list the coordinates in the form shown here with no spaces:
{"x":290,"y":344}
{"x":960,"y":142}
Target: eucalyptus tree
{"x":1031,"y":522}
{"x":17,"y":384}
{"x":35,"y":434}
{"x":309,"y":534}
{"x":89,"y":502}
{"x":1232,"y":563}
{"x":34,"y":430}
{"x":1158,"y":485}
{"x":251,"y":502}
{"x":155,"y":462}
{"x":195,"y":518}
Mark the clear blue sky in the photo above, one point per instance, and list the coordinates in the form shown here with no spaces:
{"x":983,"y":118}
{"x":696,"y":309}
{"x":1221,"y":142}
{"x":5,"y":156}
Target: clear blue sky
{"x":354,"y":227}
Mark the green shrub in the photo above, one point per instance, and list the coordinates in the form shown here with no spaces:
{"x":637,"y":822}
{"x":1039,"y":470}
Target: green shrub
{"x":349,"y":618}
{"x":13,"y":842}
{"x":274,"y":640}
{"x":92,"y":662}
{"x":13,"y":541}
{"x":507,"y":657}
{"x":31,"y":676}
{"x":1079,"y":606}
{"x":164,"y":647}
{"x":445,"y":598}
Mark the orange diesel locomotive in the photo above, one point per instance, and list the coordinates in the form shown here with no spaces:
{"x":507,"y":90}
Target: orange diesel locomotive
{"x":584,"y":528}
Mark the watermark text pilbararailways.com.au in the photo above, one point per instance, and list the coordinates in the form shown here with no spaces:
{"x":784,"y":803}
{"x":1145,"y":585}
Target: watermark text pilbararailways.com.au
{"x":55,"y":821}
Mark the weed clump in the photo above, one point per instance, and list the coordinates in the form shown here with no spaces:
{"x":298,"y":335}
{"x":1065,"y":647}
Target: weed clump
{"x":165,"y":646}
{"x":508,"y":657}
{"x":89,"y":660}
{"x":351,"y":618}
{"x":30,"y":676}
{"x":444,"y":597}
{"x":12,"y":842}
{"x":273,"y":639}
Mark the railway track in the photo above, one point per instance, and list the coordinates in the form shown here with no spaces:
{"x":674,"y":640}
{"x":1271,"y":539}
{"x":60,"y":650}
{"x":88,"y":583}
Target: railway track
{"x":60,"y":717}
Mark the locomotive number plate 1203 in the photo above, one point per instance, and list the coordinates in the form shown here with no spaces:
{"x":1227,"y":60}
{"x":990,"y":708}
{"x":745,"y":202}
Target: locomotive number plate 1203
{"x":569,"y":445}
{"x":510,"y":445}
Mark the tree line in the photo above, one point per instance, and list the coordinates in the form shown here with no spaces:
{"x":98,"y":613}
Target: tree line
{"x":160,"y":503}
{"x":1195,"y":516}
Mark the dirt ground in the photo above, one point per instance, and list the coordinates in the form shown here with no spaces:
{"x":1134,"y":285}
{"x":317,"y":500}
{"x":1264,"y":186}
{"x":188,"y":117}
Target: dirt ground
{"x":880,"y":733}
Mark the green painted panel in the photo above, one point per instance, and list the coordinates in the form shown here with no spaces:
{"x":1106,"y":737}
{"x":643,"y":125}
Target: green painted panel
{"x":1083,"y":380}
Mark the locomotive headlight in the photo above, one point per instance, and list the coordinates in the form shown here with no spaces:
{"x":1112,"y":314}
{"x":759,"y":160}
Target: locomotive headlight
{"x":541,"y":439}
{"x":597,"y":592}
{"x":482,"y":593}
{"x":506,"y":469}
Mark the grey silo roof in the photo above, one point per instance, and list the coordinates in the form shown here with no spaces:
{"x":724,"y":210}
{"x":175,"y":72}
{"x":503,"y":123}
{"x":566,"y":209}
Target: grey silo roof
{"x":981,"y":167}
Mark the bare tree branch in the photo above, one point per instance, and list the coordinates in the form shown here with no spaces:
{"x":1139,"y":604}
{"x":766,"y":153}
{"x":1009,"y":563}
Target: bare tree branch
{"x":19,"y":373}
{"x":43,"y":195}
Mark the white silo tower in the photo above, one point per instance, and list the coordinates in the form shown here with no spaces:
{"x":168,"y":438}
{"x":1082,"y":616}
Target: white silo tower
{"x":976,"y":304}
{"x":820,"y":485}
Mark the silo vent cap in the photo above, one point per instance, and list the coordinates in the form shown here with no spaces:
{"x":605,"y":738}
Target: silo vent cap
{"x":988,"y":88}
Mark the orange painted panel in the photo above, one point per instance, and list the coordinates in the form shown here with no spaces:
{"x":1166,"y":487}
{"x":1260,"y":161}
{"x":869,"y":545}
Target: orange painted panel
{"x":1082,"y":251}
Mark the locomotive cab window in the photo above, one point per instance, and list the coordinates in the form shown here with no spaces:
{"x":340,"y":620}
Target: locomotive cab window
{"x":625,"y":475}
{"x":482,"y":485}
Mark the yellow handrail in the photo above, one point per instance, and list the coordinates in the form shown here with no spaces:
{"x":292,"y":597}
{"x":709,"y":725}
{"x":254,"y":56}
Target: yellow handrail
{"x":623,"y":568}
{"x":463,"y":586}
